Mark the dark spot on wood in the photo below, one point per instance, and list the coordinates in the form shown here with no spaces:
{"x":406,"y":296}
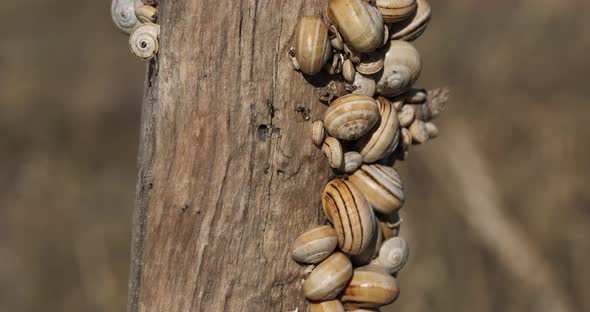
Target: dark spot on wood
{"x":304,"y":111}
{"x":263,"y":133}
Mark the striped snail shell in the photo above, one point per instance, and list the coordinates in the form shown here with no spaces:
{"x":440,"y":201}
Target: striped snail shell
{"x":332,"y":149}
{"x":146,"y":13}
{"x":390,"y":225}
{"x":381,"y":185}
{"x":393,"y":255}
{"x":382,"y":140}
{"x":312,"y":44}
{"x":402,"y":66}
{"x":412,"y":28}
{"x":351,"y":116}
{"x":352,"y":161}
{"x":359,"y":23}
{"x":364,"y":85}
{"x":123,"y":14}
{"x":326,"y":306}
{"x":318,"y":133}
{"x":143,"y":41}
{"x":370,"y":288}
{"x":370,"y":64}
{"x":350,"y":213}
{"x":396,"y":10}
{"x":328,"y":278}
{"x":372,"y":251}
{"x":315,"y":245}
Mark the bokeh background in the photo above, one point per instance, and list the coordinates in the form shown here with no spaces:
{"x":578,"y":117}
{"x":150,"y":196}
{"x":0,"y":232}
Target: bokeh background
{"x":498,"y":212}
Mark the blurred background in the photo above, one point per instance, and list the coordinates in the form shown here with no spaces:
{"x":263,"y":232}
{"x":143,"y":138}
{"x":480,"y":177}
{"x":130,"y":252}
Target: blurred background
{"x":498,"y":211}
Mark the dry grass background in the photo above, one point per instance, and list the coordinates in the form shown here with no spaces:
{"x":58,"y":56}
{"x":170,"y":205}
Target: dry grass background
{"x":498,"y":214}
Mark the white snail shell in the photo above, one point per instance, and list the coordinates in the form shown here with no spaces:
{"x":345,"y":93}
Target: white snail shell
{"x":312,"y":44}
{"x":333,"y":151}
{"x":123,"y":14}
{"x":318,"y":133}
{"x":382,"y":140}
{"x":146,"y":13}
{"x":328,"y":278}
{"x":326,"y":306}
{"x":402,"y":67}
{"x":392,"y":257}
{"x":396,"y":10}
{"x":359,"y":23}
{"x":381,"y":185}
{"x":143,"y":41}
{"x":364,"y":85}
{"x":406,"y":116}
{"x":351,"y":116}
{"x":352,"y":161}
{"x":350,"y":213}
{"x":412,"y":28}
{"x":370,"y":288}
{"x":315,"y":245}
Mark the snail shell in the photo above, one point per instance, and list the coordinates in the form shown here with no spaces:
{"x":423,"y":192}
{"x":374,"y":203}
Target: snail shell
{"x":312,"y":44}
{"x":432,"y":130}
{"x":406,"y":139}
{"x":348,"y":71}
{"x":390,"y":225}
{"x":364,"y":85}
{"x":318,"y":133}
{"x":372,"y":251}
{"x":396,"y":10}
{"x":383,"y":139}
{"x":350,"y":213}
{"x":332,"y":149}
{"x":402,"y":66}
{"x":352,"y":161}
{"x":419,"y":132}
{"x":143,"y":41}
{"x":370,"y":288}
{"x":412,"y":28}
{"x":371,"y":64}
{"x":123,"y":14}
{"x":416,"y":96}
{"x":351,"y":116}
{"x":381,"y":185}
{"x":406,"y":116}
{"x":315,"y":245}
{"x":359,"y":23}
{"x":335,"y":38}
{"x":328,"y":278}
{"x":393,"y":255}
{"x":146,"y":13}
{"x":327,"y":306}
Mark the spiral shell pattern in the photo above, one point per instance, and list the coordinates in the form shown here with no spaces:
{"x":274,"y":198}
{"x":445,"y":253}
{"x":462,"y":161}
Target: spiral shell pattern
{"x":395,"y":10}
{"x":123,"y":14}
{"x":371,"y":289}
{"x":382,"y":140}
{"x":402,"y":67}
{"x":328,"y":278}
{"x":143,"y":41}
{"x":315,"y":245}
{"x":393,"y":255}
{"x":351,"y":116}
{"x":381,"y":185}
{"x":412,"y":29}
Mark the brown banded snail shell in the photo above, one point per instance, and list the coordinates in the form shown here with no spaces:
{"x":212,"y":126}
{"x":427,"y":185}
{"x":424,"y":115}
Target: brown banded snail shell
{"x":328,"y":278}
{"x":143,"y":41}
{"x":359,"y":23}
{"x":326,"y":306}
{"x":312,"y":45}
{"x":370,"y":288}
{"x":402,"y":67}
{"x":392,"y":257}
{"x":123,"y":14}
{"x":370,"y":64}
{"x":412,"y":28}
{"x":364,"y":85}
{"x":315,"y":245}
{"x":395,"y":10}
{"x":372,"y":251}
{"x":146,"y":13}
{"x":351,"y":116}
{"x":352,"y":161}
{"x":383,"y":139}
{"x":350,"y":213}
{"x":332,"y":149}
{"x":381,"y":185}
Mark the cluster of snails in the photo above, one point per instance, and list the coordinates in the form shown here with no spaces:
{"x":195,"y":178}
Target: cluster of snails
{"x":138,"y":19}
{"x":373,"y":117}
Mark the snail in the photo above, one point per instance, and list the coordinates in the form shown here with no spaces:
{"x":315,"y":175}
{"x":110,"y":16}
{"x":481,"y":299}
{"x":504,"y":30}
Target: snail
{"x":315,"y":245}
{"x":406,"y":116}
{"x":412,"y":28}
{"x":123,"y":14}
{"x":335,"y":38}
{"x":416,"y":96}
{"x":372,"y":251}
{"x":348,"y":71}
{"x":390,"y":225}
{"x":312,"y":45}
{"x":393,"y":255}
{"x":402,"y":66}
{"x":363,"y":85}
{"x":351,"y":116}
{"x":381,"y":185}
{"x":326,"y":306}
{"x":381,"y":141}
{"x":369,"y":288}
{"x":318,"y":133}
{"x":359,"y":23}
{"x":332,"y":149}
{"x":370,"y":64}
{"x":352,"y":161}
{"x":146,"y":14}
{"x":350,"y":213}
{"x":395,"y":10}
{"x":143,"y":41}
{"x":328,"y":278}
{"x":420,"y":132}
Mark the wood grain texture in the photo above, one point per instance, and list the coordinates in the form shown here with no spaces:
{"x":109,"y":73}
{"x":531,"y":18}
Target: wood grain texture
{"x":228,"y":176}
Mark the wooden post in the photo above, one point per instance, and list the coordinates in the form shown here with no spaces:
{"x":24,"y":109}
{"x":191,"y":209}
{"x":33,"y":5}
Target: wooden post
{"x":228,"y":176}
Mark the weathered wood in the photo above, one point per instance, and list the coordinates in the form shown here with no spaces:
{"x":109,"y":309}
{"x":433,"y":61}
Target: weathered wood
{"x":228,"y":176}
